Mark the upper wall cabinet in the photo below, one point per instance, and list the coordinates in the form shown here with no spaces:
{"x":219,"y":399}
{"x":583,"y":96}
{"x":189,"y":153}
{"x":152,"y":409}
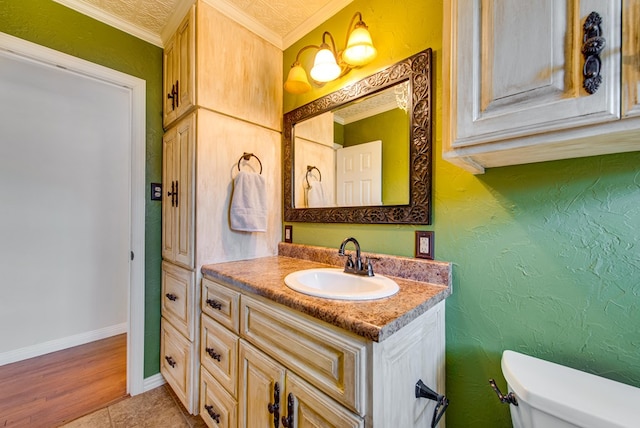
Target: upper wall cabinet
{"x":179,"y":70}
{"x":213,"y":62}
{"x":536,"y":81}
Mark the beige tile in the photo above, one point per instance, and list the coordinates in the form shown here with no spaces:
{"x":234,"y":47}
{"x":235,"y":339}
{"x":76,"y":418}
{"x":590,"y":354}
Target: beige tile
{"x":154,"y":408}
{"x":193,"y":421}
{"x":98,"y":419}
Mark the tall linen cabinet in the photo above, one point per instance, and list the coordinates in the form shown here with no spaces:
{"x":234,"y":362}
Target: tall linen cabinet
{"x":222,"y":98}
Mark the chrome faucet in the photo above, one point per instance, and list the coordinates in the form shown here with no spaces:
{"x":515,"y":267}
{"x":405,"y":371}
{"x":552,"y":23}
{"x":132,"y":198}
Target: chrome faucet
{"x":357,"y":267}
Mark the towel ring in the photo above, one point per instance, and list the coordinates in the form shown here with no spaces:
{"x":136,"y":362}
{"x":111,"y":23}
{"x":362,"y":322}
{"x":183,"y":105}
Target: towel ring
{"x":309,"y":169}
{"x":246,"y":156}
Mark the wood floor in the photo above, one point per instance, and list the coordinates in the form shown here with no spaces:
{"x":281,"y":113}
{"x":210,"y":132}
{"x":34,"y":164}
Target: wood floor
{"x":50,"y":390}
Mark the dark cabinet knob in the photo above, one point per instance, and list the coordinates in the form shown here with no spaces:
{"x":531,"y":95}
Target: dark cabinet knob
{"x":214,"y":304}
{"x":170,"y":361}
{"x":171,"y":297}
{"x":213,"y":354}
{"x":215,"y":416}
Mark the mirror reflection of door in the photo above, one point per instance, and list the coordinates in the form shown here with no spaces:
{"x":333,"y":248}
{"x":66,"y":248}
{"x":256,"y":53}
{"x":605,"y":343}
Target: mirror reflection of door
{"x":359,"y":175}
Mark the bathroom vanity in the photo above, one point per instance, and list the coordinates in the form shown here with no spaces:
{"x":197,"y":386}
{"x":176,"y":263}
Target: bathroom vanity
{"x":272,"y":357}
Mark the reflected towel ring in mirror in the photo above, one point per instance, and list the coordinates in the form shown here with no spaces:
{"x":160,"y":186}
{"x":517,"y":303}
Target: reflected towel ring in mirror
{"x":246,"y":156}
{"x":309,"y":170}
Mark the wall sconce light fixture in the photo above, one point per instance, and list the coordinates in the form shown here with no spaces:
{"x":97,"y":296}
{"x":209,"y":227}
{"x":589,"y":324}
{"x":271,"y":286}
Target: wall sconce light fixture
{"x":329,"y":63}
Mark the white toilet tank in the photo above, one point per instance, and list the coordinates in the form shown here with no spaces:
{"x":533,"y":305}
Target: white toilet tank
{"x":553,"y":396}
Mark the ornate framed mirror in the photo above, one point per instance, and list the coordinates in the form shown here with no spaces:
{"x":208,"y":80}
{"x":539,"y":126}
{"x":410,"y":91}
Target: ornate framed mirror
{"x":316,"y":135}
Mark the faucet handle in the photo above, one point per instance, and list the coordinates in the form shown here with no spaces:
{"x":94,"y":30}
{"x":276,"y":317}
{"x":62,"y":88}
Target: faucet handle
{"x":349,"y":262}
{"x":370,"y":265}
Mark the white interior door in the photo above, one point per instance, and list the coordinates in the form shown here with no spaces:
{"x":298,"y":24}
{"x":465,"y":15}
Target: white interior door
{"x":359,"y":174}
{"x":66,"y":206}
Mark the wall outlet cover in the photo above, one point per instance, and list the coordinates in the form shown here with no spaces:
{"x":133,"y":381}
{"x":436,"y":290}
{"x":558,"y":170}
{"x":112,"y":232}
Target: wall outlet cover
{"x":156,"y":191}
{"x":424,"y":244}
{"x":288,"y":234}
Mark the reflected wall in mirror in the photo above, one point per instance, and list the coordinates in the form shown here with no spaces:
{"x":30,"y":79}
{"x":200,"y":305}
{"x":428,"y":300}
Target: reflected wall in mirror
{"x":355,"y":155}
{"x":362,"y":154}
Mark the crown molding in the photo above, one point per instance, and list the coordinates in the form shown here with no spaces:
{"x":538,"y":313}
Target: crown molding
{"x":114,"y":21}
{"x":223,"y":6}
{"x":250,"y":23}
{"x":314,"y":21}
{"x":174,"y":20}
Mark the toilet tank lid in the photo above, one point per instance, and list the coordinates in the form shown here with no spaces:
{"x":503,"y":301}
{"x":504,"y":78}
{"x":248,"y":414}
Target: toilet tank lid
{"x":581,"y":398}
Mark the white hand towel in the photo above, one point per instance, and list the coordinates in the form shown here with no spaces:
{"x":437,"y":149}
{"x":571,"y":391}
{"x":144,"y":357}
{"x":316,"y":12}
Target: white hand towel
{"x":249,"y":203}
{"x":315,"y":195}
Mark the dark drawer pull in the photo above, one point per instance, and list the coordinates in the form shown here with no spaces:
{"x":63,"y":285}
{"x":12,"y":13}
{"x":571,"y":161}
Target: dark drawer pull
{"x":274,"y":408}
{"x":213,"y":354}
{"x":171,"y":361}
{"x":171,"y":297}
{"x":214,"y":304}
{"x":215,"y":416}
{"x":288,"y":422}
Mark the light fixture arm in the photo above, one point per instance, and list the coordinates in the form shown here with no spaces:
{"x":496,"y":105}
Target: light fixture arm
{"x":297,"y":61}
{"x":351,"y":27}
{"x":333,"y":43}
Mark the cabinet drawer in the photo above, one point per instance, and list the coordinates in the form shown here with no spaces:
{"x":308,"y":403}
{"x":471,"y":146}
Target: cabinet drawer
{"x":217,"y":408}
{"x":221,"y":304}
{"x":177,"y":298}
{"x":176,"y":363}
{"x":219,"y":353}
{"x":331,"y":359}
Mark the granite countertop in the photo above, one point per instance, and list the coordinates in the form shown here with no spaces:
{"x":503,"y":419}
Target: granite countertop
{"x":373,"y":319}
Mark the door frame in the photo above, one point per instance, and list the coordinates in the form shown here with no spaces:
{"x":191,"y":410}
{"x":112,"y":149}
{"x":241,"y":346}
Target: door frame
{"x":137,"y":91}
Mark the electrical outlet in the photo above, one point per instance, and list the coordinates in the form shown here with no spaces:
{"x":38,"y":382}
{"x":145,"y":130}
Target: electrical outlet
{"x":288,"y":234}
{"x":424,"y":244}
{"x":156,"y":191}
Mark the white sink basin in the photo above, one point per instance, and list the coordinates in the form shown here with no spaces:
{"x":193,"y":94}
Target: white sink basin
{"x":333,"y":283}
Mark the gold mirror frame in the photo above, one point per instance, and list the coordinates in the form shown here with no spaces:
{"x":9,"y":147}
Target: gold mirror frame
{"x":417,"y":70}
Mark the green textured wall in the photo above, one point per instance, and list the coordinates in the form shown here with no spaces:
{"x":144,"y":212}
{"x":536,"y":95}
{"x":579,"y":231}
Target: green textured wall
{"x":546,"y":256}
{"x":392,"y":127}
{"x":49,"y":24}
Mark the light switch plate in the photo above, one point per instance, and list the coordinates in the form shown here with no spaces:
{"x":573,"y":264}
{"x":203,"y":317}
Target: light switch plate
{"x":288,"y":234}
{"x":424,"y":244}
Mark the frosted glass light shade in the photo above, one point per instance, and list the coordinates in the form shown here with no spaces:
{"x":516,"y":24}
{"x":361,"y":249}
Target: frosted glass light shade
{"x":297,"y":82}
{"x":325,"y":68}
{"x":360,"y":49}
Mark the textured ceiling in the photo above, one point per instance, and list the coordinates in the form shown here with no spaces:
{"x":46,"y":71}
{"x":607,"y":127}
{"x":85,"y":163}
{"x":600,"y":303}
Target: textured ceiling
{"x":281,"y":22}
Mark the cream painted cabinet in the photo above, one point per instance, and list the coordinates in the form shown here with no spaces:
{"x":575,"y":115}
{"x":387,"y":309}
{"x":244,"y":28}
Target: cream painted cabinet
{"x":302,"y":372}
{"x":272,"y":393}
{"x":222,"y":97}
{"x":178,"y":151}
{"x":515,"y":88}
{"x":179,"y":70}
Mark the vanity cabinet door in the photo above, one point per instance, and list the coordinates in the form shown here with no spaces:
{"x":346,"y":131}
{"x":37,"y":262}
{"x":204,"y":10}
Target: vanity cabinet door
{"x":259,"y":376}
{"x":312,"y":409}
{"x":179,"y":70}
{"x":178,"y":146}
{"x":332,"y":360}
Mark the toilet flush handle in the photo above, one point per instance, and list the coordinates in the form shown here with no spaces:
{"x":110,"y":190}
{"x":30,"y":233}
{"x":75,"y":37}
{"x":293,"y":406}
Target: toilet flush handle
{"x":510,"y":398}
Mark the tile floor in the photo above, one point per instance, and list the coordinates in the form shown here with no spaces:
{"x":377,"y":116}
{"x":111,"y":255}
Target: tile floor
{"x":153,"y":409}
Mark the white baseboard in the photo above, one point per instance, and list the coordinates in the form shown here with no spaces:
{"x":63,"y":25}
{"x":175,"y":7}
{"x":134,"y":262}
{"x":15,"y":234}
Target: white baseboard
{"x":153,"y":382}
{"x":60,"y":344}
